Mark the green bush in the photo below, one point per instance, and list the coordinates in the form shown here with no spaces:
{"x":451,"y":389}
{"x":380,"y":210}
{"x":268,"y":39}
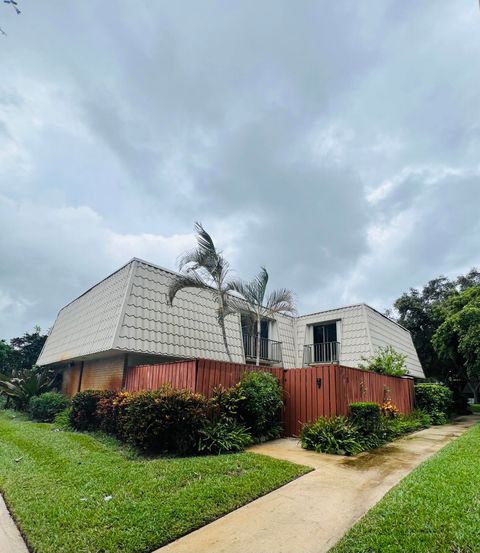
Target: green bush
{"x":44,"y":407}
{"x":62,"y":419}
{"x":84,"y":409}
{"x":405,"y":424}
{"x":386,"y":361}
{"x":162,"y":420}
{"x":225,"y":402}
{"x":435,"y":400}
{"x":108,"y":409}
{"x":365,"y":416}
{"x":475,"y":407}
{"x":3,"y":402}
{"x":335,"y":435}
{"x":224,"y":435}
{"x":260,"y":409}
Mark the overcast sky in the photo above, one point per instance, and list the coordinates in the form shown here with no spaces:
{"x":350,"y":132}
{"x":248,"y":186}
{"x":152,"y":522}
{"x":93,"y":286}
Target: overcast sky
{"x":335,"y":142}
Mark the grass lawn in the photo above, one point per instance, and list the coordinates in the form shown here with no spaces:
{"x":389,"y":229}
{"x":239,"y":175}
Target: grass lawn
{"x":55,"y":484}
{"x":435,"y":509}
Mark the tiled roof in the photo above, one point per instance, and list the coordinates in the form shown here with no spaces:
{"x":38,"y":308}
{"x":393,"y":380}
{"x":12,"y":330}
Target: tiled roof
{"x":129,"y":311}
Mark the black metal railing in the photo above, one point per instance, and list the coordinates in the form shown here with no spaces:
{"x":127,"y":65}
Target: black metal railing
{"x":270,"y":350}
{"x":327,"y":352}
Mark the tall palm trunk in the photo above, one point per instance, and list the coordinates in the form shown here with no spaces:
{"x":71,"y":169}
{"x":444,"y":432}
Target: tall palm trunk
{"x":259,"y":328}
{"x":225,"y":341}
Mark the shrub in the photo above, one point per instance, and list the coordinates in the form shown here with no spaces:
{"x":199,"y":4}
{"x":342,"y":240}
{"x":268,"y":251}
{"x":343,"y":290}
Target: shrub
{"x":162,"y":420}
{"x":389,"y":409}
{"x":107,"y":411}
{"x":224,"y":435}
{"x":336,"y":435}
{"x":3,"y":402}
{"x":262,"y":401}
{"x":225,"y":402}
{"x":404,"y":424}
{"x":475,"y":407}
{"x":365,"y":416}
{"x":435,"y":400}
{"x":45,"y":406}
{"x":386,"y":361}
{"x":84,"y":409}
{"x":62,"y":420}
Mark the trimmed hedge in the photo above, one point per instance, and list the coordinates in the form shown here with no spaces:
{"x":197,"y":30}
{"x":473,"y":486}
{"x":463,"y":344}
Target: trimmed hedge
{"x":365,"y":416}
{"x":162,"y":420}
{"x":435,"y":400}
{"x":84,"y":408}
{"x":46,"y":406}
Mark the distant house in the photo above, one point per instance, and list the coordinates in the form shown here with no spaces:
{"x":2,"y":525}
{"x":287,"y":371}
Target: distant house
{"x":126,"y":320}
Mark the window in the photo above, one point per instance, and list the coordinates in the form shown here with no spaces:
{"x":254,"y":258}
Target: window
{"x":325,"y":347}
{"x":325,"y":333}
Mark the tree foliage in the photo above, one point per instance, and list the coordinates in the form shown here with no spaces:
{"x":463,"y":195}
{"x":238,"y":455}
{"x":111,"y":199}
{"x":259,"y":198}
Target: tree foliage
{"x":457,"y":339}
{"x":422,"y":311}
{"x":386,"y":361}
{"x":22,"y":352}
{"x":259,"y":305}
{"x":205,"y":268}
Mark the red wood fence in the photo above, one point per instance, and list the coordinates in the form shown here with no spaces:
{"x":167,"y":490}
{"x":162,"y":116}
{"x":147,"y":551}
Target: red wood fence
{"x":309,"y":392}
{"x":199,"y":375}
{"x":325,"y":390}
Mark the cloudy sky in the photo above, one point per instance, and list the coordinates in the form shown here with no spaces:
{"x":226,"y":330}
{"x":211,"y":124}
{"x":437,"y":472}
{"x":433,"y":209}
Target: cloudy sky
{"x":335,"y":142}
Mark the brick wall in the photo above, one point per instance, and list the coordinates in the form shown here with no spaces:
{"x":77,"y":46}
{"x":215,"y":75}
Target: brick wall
{"x":103,"y":374}
{"x":70,"y":380}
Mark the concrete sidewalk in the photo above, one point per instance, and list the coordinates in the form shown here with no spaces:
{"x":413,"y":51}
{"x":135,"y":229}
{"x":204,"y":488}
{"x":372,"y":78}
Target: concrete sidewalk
{"x":310,"y":514}
{"x":10,"y":539}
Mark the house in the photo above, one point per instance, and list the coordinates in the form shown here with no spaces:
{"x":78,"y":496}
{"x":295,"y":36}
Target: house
{"x":126,"y":320}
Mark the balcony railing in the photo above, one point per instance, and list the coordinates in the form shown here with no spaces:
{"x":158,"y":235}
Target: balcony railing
{"x":270,"y":350}
{"x":328,"y":352}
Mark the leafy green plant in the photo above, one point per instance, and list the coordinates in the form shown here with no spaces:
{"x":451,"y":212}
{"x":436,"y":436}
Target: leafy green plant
{"x":435,"y":400}
{"x":26,"y":383}
{"x":107,"y":411}
{"x":226,"y":402}
{"x":335,"y":435}
{"x":365,"y":416}
{"x":162,"y":420}
{"x":44,"y":407}
{"x":405,"y":424}
{"x":386,"y":361}
{"x":84,"y":409}
{"x":224,"y":435}
{"x":260,"y":409}
{"x":62,"y":420}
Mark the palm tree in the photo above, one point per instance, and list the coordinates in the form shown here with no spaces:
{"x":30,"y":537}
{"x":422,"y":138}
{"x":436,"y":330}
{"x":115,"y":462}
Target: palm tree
{"x":205,"y":268}
{"x":259,"y":306}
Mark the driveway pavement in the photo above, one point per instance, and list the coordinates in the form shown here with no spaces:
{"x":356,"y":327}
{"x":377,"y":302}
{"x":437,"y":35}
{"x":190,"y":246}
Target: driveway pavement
{"x":310,"y":514}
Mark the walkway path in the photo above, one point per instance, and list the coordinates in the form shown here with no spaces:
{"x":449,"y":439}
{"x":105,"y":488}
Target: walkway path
{"x":10,"y":539}
{"x":312,"y":513}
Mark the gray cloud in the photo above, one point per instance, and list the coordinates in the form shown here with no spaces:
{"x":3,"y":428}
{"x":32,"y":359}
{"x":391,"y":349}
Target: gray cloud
{"x":336,"y":143}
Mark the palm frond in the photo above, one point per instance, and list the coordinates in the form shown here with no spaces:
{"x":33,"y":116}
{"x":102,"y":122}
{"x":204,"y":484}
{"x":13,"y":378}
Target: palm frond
{"x":180,"y":282}
{"x":281,"y":301}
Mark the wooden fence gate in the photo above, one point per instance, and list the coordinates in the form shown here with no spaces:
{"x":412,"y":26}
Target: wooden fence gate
{"x":325,"y":390}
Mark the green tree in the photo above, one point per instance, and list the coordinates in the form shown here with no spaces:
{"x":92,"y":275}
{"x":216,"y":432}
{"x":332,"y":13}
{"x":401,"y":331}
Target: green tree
{"x":6,"y":353}
{"x":24,"y":350}
{"x":457,"y":339}
{"x":416,"y":312}
{"x":205,"y":268}
{"x":259,"y":305}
